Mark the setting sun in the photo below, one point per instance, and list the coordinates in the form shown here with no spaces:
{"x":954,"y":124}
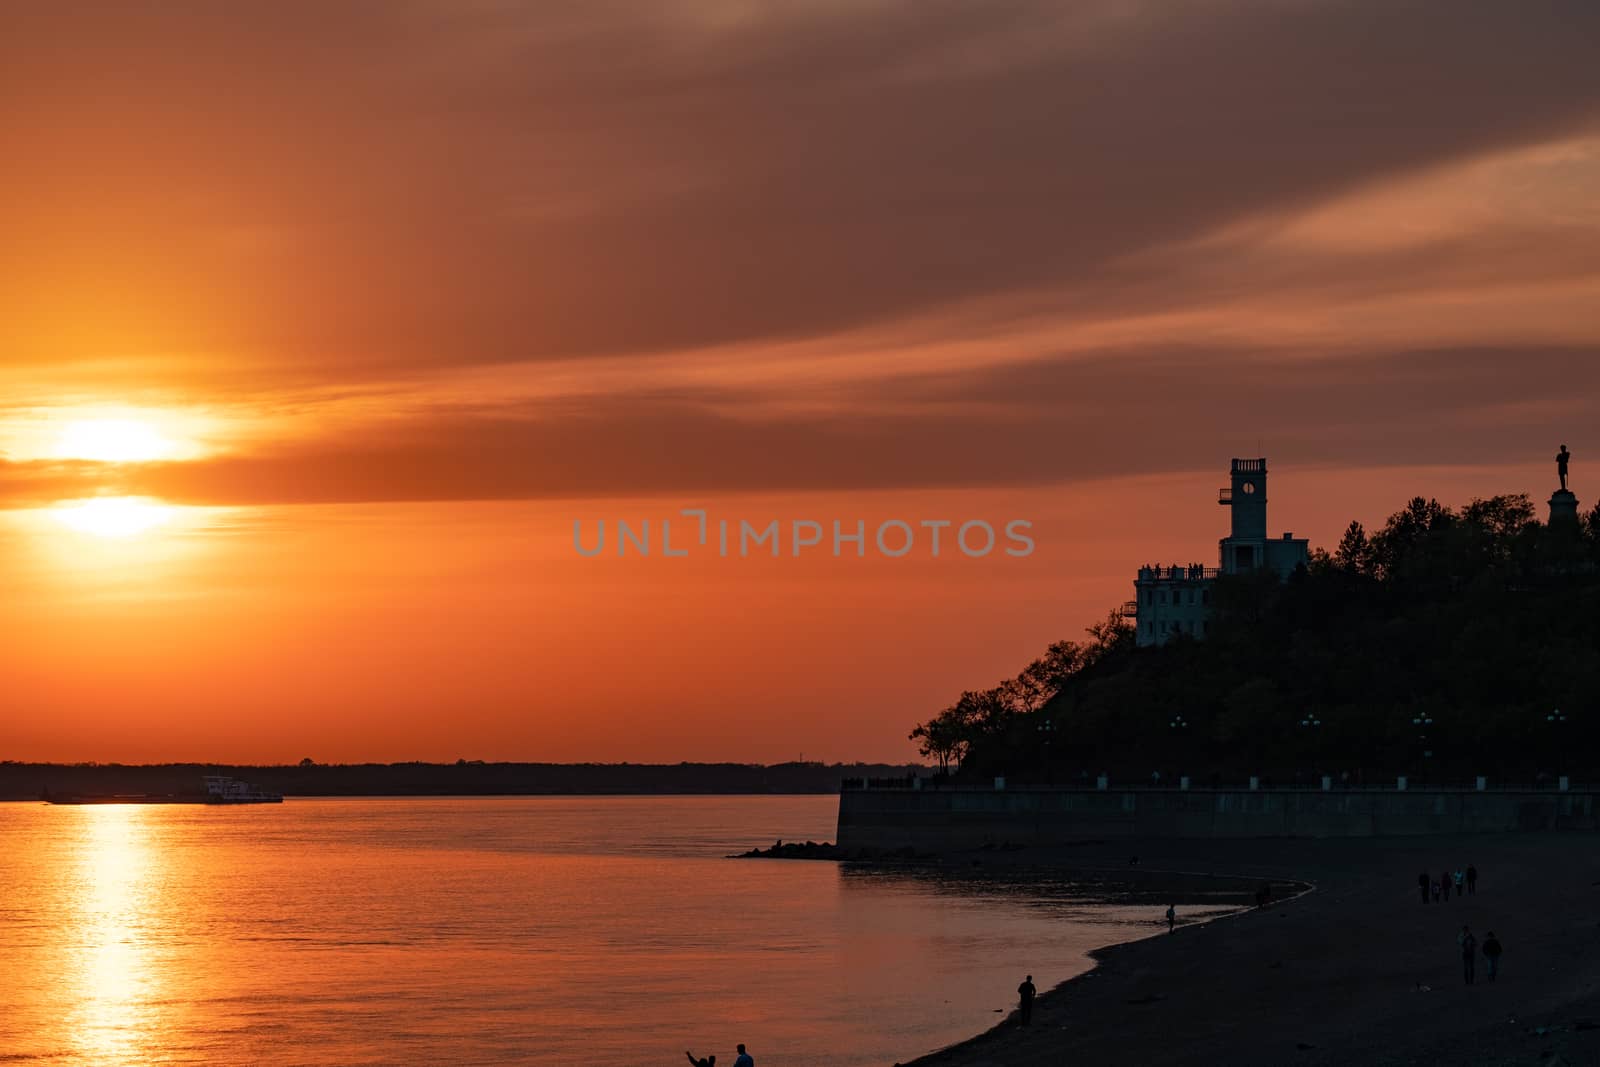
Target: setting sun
{"x":124,"y":516}
{"x":113,"y":441}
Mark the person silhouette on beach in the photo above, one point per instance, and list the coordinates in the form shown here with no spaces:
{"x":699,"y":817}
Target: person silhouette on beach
{"x":709,"y":1061}
{"x":1469,"y":952}
{"x":1172,"y":917}
{"x":1422,"y":885}
{"x":1025,"y":992}
{"x":745,"y":1059}
{"x":1491,"y":954}
{"x":1472,"y":881}
{"x":1562,"y":459}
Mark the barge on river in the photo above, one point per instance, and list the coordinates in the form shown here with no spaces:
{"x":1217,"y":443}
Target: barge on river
{"x":219,"y":789}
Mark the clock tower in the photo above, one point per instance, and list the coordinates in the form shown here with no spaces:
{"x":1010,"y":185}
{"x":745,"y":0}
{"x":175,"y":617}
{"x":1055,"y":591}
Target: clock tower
{"x":1245,"y":547}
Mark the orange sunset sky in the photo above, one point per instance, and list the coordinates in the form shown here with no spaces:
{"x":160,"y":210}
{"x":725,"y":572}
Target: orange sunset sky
{"x":320,"y":324}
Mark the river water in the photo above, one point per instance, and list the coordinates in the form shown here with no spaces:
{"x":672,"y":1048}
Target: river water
{"x":562,"y":930}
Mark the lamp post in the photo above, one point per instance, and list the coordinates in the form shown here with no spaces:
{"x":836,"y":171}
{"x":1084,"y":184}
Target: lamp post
{"x":1312,"y":725}
{"x":1557,"y":720}
{"x":1423,"y":724}
{"x":1178,"y":727}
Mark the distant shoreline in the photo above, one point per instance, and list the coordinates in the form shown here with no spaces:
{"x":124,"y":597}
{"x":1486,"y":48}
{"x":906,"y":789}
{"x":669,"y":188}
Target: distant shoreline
{"x":27,"y":781}
{"x":508,"y":796}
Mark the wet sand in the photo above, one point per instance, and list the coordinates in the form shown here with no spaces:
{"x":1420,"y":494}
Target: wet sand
{"x":1355,"y":970}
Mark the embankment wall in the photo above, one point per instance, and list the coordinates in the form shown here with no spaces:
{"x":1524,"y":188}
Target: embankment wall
{"x":970,"y":818}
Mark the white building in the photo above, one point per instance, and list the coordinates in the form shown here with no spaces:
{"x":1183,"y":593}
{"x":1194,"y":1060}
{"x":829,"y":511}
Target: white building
{"x":1172,"y":600}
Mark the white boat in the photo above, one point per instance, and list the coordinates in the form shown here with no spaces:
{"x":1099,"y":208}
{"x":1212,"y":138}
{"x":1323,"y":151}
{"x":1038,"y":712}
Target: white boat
{"x":220,"y":789}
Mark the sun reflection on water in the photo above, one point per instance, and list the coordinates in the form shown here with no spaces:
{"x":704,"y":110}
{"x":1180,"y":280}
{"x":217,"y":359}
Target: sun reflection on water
{"x":116,"y":988}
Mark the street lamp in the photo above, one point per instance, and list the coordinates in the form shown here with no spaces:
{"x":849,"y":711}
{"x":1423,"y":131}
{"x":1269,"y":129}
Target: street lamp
{"x":1047,"y":730}
{"x":1312,"y":725}
{"x":1178,"y":725}
{"x":1423,"y":723}
{"x":1556,"y":719}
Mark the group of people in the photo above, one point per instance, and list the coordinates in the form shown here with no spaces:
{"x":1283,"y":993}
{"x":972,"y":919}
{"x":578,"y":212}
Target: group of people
{"x":1469,"y":953}
{"x":744,"y":1060}
{"x":1464,"y":880}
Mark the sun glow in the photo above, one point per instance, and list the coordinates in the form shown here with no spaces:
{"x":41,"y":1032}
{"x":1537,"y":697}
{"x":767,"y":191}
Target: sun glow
{"x":109,"y":432}
{"x":114,"y":441}
{"x":120,"y":516}
{"x":113,"y":547}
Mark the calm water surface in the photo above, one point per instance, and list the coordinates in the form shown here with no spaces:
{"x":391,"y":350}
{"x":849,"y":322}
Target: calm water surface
{"x":506,"y":930}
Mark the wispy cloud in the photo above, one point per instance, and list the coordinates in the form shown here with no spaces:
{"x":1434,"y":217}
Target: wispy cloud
{"x":1038,"y":423}
{"x":321,"y":187}
{"x":445,"y":251}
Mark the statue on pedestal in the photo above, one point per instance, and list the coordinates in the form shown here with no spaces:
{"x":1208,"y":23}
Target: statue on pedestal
{"x":1563,"y":505}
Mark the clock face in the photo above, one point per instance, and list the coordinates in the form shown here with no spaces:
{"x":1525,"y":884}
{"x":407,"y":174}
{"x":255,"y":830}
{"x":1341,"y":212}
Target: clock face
{"x":1248,"y":487}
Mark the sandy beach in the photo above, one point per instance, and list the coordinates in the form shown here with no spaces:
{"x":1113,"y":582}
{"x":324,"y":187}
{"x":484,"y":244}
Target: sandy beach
{"x":1355,"y":970}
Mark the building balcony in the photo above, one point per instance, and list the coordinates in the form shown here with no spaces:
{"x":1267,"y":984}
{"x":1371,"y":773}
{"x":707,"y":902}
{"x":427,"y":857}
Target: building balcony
{"x":1193,"y":572}
{"x":1130,"y":610}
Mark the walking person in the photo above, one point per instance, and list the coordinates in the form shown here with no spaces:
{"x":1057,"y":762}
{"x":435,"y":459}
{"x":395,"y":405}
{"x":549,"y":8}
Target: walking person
{"x":1433,"y":887}
{"x":1172,"y":917}
{"x":745,"y":1059}
{"x":1461,"y":882}
{"x":1491,"y":954}
{"x":1422,"y":885}
{"x":1469,"y":952}
{"x":1472,"y":880}
{"x":1025,"y":992}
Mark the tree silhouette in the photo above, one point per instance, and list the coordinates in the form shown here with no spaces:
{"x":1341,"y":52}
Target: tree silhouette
{"x":1481,"y":620}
